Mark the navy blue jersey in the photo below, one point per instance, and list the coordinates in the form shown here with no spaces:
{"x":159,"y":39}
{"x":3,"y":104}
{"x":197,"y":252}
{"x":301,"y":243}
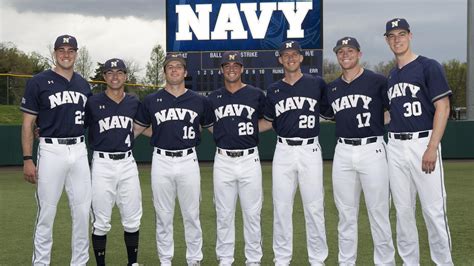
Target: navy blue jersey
{"x":412,"y":90}
{"x":110,"y":123}
{"x":57,"y":103}
{"x":235,"y":117}
{"x":294,"y":109}
{"x":175,"y":121}
{"x":358,"y":106}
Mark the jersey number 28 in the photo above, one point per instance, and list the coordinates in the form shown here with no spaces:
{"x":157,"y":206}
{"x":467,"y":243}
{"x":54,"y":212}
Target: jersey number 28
{"x":307,"y":121}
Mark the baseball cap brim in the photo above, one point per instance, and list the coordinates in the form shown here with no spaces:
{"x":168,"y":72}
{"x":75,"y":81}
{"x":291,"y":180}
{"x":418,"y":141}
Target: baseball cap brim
{"x":179,"y":59}
{"x":399,"y":28}
{"x":335,"y":49}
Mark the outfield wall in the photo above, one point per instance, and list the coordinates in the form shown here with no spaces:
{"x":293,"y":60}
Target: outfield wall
{"x":457,"y":143}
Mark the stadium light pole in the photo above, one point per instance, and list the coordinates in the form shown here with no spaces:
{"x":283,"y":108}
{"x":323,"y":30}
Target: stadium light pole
{"x":470,"y":62}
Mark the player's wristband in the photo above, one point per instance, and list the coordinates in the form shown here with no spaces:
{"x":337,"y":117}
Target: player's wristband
{"x":25,"y":158}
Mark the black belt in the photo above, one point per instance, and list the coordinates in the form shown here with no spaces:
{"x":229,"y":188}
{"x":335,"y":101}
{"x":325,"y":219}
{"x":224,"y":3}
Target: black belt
{"x":235,"y":154}
{"x":115,"y":156}
{"x":65,"y":141}
{"x":175,"y":153}
{"x":357,"y":142}
{"x":408,"y":136}
{"x":292,"y":142}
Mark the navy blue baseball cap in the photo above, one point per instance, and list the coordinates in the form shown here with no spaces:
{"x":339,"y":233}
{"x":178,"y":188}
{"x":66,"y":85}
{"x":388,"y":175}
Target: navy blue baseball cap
{"x":115,"y":63}
{"x":396,"y":23}
{"x":65,"y":40}
{"x":346,"y":42}
{"x":231,"y":56}
{"x":174,"y":57}
{"x":290,"y":45}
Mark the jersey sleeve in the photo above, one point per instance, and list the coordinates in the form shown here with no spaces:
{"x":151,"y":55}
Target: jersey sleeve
{"x":207,"y":119}
{"x":143,"y":117}
{"x":268,"y":109}
{"x":30,"y":100}
{"x":325,"y":110}
{"x":436,"y":81}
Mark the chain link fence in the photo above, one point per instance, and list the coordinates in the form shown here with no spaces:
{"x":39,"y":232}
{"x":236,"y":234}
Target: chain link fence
{"x":12,"y":88}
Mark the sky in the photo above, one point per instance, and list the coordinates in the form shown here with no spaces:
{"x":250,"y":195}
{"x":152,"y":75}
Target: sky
{"x":130,"y":29}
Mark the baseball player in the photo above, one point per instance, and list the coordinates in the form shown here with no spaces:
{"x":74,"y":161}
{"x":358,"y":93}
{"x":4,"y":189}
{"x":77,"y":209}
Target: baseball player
{"x":358,"y":99}
{"x":236,"y":109}
{"x":419,"y":108}
{"x":292,"y":107}
{"x":55,"y":100}
{"x":175,"y":114}
{"x":109,"y":116}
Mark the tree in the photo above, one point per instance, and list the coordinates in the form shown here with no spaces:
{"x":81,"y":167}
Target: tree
{"x":456,"y":74}
{"x":331,"y":70}
{"x":154,"y":67}
{"x":15,"y":61}
{"x":132,"y":70}
{"x":39,"y":62}
{"x":384,"y":68}
{"x":98,"y":76}
{"x":83,"y":64}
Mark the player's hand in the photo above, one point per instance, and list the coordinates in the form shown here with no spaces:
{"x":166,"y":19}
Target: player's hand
{"x":37,"y":133}
{"x":29,"y":171}
{"x":429,"y":160}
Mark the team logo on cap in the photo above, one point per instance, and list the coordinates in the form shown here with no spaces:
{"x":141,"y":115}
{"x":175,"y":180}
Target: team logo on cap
{"x":395,"y":23}
{"x":289,"y":44}
{"x":232,"y":57}
{"x":346,"y":41}
{"x":66,"y":39}
{"x":114,"y":63}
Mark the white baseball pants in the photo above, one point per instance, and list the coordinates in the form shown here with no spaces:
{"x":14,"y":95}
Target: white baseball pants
{"x":355,"y":169}
{"x":115,"y":182}
{"x":173,"y":177}
{"x":62,"y":167}
{"x":406,"y":181}
{"x":238,"y":177}
{"x":301,"y":166}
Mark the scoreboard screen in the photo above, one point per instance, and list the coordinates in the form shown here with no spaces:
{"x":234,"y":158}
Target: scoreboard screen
{"x":202,"y":30}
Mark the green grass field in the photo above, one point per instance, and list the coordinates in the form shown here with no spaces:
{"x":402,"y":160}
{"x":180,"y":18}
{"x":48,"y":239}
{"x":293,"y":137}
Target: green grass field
{"x":10,"y":115}
{"x":18,"y":210}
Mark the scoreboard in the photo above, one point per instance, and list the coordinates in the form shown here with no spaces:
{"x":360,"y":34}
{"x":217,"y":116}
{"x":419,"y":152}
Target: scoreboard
{"x":202,"y":30}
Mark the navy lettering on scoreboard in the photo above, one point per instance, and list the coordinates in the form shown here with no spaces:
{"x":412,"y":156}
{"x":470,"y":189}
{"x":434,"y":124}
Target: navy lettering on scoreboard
{"x":204,"y":30}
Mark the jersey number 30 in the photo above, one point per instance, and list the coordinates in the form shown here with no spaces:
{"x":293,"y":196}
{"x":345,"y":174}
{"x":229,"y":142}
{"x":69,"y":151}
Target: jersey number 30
{"x":412,"y":109}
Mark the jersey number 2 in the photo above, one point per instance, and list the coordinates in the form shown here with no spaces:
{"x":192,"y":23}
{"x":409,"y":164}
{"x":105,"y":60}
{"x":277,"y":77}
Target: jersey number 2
{"x":79,"y":118}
